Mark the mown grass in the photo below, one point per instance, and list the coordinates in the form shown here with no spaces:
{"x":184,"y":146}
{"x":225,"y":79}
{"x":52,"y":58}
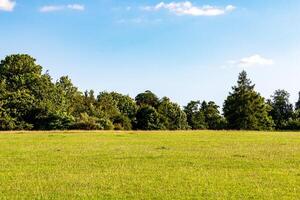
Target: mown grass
{"x":150,"y":165}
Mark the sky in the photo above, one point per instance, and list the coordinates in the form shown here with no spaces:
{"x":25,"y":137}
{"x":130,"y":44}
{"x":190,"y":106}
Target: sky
{"x":186,"y":50}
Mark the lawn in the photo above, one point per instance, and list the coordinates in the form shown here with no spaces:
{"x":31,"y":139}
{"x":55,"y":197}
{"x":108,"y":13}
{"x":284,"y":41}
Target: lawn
{"x":150,"y":165}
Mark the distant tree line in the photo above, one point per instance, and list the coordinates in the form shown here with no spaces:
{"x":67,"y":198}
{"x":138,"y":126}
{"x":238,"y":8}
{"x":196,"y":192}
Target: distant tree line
{"x":30,"y":100}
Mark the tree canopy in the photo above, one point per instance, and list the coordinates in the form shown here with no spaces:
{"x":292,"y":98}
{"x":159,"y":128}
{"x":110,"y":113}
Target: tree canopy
{"x":282,"y":109}
{"x":31,"y":100}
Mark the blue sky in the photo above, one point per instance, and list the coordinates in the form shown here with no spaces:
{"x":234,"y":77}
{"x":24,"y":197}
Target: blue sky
{"x":185,"y":50}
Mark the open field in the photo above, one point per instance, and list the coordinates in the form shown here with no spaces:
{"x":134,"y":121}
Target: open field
{"x":150,"y":165}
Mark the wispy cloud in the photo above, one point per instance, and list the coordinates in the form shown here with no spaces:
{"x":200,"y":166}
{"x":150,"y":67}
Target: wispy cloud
{"x":78,"y":7}
{"x":51,"y":8}
{"x":54,"y":8}
{"x":254,"y":60}
{"x":187,"y":8}
{"x":132,"y":20}
{"x":7,"y":5}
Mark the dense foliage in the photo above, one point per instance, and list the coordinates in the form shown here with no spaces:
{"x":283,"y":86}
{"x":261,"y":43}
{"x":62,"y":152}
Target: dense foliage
{"x":245,"y":109}
{"x":30,"y":100}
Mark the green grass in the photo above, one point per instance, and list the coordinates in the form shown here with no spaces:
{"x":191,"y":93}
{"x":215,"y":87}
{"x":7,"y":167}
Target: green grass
{"x":150,"y":165}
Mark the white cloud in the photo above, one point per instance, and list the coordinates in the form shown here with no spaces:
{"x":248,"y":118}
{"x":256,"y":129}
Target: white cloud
{"x":76,"y":7}
{"x":254,"y":60}
{"x":7,"y":5}
{"x":133,"y":20}
{"x":53,"y":8}
{"x":187,"y":8}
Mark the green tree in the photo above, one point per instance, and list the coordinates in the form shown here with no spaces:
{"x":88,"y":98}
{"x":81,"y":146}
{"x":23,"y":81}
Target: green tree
{"x":7,"y":122}
{"x":125,"y":104}
{"x":28,"y":91}
{"x":108,"y":105}
{"x":122,"y":122}
{"x":173,"y":117}
{"x":68,"y":98}
{"x":147,"y":98}
{"x":294,"y":122}
{"x":120,"y":109}
{"x":213,"y":118}
{"x":195,"y":116}
{"x":31,"y":100}
{"x":245,"y":109}
{"x":282,"y":109}
{"x":57,"y":110}
{"x":147,"y":118}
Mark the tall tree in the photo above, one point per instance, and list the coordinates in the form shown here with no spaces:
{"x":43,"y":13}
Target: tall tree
{"x":245,"y":109}
{"x":282,"y":109}
{"x":28,"y":92}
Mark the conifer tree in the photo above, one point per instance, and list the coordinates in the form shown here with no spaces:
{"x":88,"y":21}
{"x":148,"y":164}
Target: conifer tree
{"x":245,"y":109}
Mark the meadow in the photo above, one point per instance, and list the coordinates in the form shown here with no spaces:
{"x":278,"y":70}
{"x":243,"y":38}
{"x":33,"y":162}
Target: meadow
{"x":150,"y":165}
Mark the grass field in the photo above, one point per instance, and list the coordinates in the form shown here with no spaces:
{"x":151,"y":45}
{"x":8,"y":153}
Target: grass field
{"x":150,"y":165}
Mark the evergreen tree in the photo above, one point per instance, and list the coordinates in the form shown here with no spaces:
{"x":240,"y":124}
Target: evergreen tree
{"x":245,"y":109}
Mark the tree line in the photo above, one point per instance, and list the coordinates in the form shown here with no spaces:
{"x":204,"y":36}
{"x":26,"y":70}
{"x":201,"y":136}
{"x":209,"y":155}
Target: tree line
{"x":31,"y":100}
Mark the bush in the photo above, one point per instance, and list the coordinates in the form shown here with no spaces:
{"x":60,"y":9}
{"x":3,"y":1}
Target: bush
{"x":86,"y":122}
{"x":293,"y":124}
{"x":105,"y":124}
{"x":122,"y":123}
{"x":54,"y":121}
